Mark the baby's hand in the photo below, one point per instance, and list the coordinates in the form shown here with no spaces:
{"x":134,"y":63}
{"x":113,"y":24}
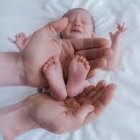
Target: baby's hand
{"x":120,"y":29}
{"x":19,"y":40}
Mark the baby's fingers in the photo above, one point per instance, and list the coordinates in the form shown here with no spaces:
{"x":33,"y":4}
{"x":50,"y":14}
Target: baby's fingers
{"x":111,"y":34}
{"x":121,"y":27}
{"x":12,"y":40}
{"x":20,"y":35}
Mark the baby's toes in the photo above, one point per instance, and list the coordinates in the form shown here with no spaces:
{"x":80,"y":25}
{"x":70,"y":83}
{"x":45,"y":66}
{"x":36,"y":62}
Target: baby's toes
{"x":76,"y":58}
{"x":87,"y":66}
{"x":55,"y":59}
{"x":50,"y":61}
{"x":82,"y":59}
{"x":47,"y":64}
{"x":45,"y":67}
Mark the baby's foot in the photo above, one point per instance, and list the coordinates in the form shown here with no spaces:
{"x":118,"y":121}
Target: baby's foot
{"x":53,"y":73}
{"x":78,"y":70}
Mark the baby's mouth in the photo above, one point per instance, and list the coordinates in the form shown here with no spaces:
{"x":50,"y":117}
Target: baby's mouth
{"x":76,"y":31}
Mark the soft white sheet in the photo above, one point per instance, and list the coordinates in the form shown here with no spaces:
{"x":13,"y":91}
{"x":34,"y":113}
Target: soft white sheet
{"x":120,"y":121}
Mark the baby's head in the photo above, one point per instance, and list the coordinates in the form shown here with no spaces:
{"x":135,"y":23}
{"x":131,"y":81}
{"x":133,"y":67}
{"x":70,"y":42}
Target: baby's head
{"x":80,"y":24}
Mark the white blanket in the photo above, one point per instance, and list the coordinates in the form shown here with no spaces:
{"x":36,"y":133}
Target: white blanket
{"x":121,"y":120}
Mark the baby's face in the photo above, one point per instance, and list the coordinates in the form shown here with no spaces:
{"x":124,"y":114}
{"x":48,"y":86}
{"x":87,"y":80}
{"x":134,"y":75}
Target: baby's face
{"x":80,"y":25}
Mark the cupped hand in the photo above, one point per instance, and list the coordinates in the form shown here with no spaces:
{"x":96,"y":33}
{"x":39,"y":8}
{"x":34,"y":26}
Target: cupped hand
{"x":36,"y":53}
{"x":73,"y":113}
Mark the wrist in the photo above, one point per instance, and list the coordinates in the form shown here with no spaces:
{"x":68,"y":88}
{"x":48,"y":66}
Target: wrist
{"x":21,"y":70}
{"x":11,"y":69}
{"x":9,"y":116}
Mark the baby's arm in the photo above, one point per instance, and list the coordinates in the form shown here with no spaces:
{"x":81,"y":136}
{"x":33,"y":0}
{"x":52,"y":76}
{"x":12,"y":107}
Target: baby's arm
{"x":115,"y":46}
{"x":20,"y":41}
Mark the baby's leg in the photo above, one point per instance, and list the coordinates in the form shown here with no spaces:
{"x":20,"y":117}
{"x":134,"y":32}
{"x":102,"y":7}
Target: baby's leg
{"x":54,"y":75}
{"x":78,"y":70}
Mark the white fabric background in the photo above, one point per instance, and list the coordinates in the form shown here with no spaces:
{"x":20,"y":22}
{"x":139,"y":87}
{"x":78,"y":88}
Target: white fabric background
{"x":121,"y":120}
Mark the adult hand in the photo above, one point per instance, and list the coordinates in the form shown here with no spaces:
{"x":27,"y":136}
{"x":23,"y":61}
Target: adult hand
{"x":36,"y":53}
{"x":73,"y":113}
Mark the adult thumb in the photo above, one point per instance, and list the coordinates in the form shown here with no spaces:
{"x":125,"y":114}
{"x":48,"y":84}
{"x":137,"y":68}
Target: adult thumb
{"x":83,"y":111}
{"x":57,"y":26}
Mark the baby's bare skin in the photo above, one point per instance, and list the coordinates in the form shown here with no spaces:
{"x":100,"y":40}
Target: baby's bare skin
{"x":78,"y":70}
{"x":38,"y":41}
{"x":54,"y":75}
{"x":20,"y":68}
{"x":64,"y":54}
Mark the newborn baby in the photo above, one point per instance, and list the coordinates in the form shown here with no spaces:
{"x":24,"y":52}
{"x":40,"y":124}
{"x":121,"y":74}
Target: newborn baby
{"x":72,"y":68}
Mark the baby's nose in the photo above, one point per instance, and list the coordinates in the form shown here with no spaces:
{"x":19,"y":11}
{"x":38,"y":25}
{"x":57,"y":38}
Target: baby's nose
{"x":77,"y":24}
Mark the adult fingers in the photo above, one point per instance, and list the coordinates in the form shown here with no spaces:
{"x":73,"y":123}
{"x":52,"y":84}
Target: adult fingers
{"x":100,"y":85}
{"x":94,"y":64}
{"x":91,"y":92}
{"x":55,"y":27}
{"x":92,"y":54}
{"x":82,"y":112}
{"x":75,"y":119}
{"x":104,"y":99}
{"x":82,"y":98}
{"x":88,"y":43}
{"x":101,"y":104}
{"x":88,"y":89}
{"x":91,"y":74}
{"x":98,"y":63}
{"x":107,"y":95}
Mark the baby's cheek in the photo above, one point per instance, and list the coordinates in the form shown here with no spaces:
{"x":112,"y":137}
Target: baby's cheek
{"x":88,"y":33}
